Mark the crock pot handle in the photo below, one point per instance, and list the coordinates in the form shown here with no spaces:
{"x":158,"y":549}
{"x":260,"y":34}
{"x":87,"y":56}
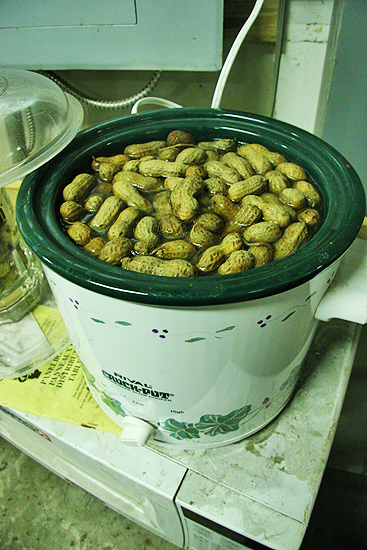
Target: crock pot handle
{"x":346,"y":297}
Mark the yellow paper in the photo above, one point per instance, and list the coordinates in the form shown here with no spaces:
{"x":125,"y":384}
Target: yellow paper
{"x":57,"y":390}
{"x":50,"y":322}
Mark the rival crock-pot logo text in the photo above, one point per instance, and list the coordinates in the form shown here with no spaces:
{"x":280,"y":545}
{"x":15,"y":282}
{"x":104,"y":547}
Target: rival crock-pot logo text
{"x":136,"y":387}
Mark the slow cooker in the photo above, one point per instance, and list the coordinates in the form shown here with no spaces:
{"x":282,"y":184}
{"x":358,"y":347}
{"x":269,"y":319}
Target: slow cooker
{"x":200,"y":361}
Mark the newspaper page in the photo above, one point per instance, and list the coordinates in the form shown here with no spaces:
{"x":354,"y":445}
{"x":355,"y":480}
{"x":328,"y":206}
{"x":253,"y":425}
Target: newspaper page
{"x":57,"y":390}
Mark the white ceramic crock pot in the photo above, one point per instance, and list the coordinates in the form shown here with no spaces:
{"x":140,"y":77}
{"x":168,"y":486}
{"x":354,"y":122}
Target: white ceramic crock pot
{"x":205,"y":361}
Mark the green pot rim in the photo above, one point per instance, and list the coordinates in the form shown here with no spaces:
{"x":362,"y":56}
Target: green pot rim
{"x":342,"y":192}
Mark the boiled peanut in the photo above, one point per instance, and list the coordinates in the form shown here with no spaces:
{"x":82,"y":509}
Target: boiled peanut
{"x":294,"y":236}
{"x":171,"y":181}
{"x":185,"y":205}
{"x":171,"y":226}
{"x":310,"y":216}
{"x":262,"y":252}
{"x":175,"y":249}
{"x":267,"y":232}
{"x":191,"y":155}
{"x":107,"y":171}
{"x":107,"y":214}
{"x":276,"y":213}
{"x":294,"y":198}
{"x":238,"y":163}
{"x":94,"y":203}
{"x":276,"y":181}
{"x":131,"y":196}
{"x":216,"y":168}
{"x":120,"y":160}
{"x":163,"y":268}
{"x":80,"y":233}
{"x":133,"y":164}
{"x":292,"y":171}
{"x":201,"y":237}
{"x":146,"y":232}
{"x":223,"y":206}
{"x":162,"y":204}
{"x":245,"y":216}
{"x":255,"y":185}
{"x":194,"y":170}
{"x":143,"y":183}
{"x":270,"y":198}
{"x":292,"y":213}
{"x":168,"y":153}
{"x":215,"y":185}
{"x":104,"y":189}
{"x":125,"y":222}
{"x":256,"y":200}
{"x":71,"y":211}
{"x":275,"y":158}
{"x":139,"y":150}
{"x":179,"y":136}
{"x":212,"y":257}
{"x":219,"y":145}
{"x":259,"y":162}
{"x":95,"y":246}
{"x":312,"y":195}
{"x":212,"y":155}
{"x":79,"y":188}
{"x":115,"y":250}
{"x":211,"y":222}
{"x":161,"y":168}
{"x":238,"y":261}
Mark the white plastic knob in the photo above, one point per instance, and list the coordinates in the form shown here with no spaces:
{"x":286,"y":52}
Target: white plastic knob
{"x":136,"y":431}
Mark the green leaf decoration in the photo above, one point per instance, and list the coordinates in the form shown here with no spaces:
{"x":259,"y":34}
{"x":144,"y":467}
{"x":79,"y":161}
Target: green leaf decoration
{"x":310,"y":296}
{"x":180,"y":430}
{"x":91,"y":380}
{"x":197,"y":339}
{"x":113,"y":404}
{"x":225,"y":329}
{"x":209,"y":424}
{"x":98,"y":321}
{"x":216,"y":424}
{"x":123,"y":323}
{"x":287,"y":316}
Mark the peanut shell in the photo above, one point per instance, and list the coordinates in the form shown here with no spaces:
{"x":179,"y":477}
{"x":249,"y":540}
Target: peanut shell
{"x":267,"y":232}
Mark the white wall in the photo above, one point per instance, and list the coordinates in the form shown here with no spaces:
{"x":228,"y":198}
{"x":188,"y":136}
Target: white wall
{"x":345,"y":123}
{"x":249,"y":86}
{"x":307,"y":29}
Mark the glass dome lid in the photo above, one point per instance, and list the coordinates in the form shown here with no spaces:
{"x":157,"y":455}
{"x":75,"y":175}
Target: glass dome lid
{"x":37,"y":121}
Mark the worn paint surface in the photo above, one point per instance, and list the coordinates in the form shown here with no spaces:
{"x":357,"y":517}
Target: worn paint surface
{"x":306,"y":35}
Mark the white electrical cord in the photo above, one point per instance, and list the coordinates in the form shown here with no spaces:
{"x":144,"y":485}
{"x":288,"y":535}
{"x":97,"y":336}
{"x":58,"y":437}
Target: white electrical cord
{"x":223,"y":76}
{"x":218,"y":92}
{"x":153,"y":101}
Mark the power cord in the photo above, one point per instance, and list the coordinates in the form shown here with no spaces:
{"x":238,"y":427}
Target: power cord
{"x":223,"y":76}
{"x":224,"y":73}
